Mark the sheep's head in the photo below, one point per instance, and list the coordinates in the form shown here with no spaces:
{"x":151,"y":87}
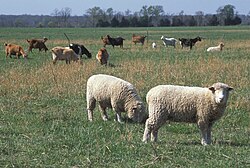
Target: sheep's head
{"x":221,"y":92}
{"x":137,"y":112}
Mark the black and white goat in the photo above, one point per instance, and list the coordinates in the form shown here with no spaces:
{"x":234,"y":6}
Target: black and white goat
{"x":168,"y":41}
{"x":80,"y":50}
{"x":189,"y":42}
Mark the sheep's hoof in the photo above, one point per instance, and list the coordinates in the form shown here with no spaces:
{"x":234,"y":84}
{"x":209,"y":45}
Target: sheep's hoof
{"x":121,"y":122}
{"x":105,"y":118}
{"x":204,"y":143}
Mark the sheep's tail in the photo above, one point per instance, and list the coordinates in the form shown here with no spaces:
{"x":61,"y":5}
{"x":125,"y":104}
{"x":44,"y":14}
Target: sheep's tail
{"x":67,"y":37}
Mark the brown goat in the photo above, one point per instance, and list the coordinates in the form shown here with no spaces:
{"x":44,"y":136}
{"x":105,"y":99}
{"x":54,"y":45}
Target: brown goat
{"x":105,"y":41}
{"x":13,"y":49}
{"x":102,"y":56}
{"x":37,"y":44}
{"x":138,"y":39}
{"x":64,"y":53}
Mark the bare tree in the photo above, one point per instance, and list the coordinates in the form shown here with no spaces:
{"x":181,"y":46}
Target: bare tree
{"x":65,"y":14}
{"x":62,"y":16}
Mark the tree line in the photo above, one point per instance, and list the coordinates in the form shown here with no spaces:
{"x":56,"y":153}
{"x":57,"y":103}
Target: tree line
{"x":148,"y":16}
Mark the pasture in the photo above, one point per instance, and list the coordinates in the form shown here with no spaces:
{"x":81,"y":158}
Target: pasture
{"x":43,"y":119}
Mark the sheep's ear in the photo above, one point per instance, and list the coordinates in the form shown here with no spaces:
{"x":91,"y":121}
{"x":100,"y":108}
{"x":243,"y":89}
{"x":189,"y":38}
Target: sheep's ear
{"x":230,"y":88}
{"x":212,"y":88}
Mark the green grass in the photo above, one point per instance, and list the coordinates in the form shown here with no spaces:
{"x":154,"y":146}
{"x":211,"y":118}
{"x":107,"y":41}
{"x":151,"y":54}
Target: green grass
{"x":43,"y":119}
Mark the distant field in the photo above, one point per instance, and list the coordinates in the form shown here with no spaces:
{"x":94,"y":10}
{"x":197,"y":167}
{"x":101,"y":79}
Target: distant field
{"x":43,"y":119}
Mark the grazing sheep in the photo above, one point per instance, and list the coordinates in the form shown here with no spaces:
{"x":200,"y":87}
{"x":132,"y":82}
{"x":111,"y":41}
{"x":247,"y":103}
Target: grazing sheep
{"x":154,"y":45}
{"x":13,"y":49}
{"x":185,"y":104}
{"x":115,"y":93}
{"x":64,"y":53}
{"x":138,"y":39}
{"x":37,"y":44}
{"x":168,"y":41}
{"x":102,"y":56}
{"x":216,"y":48}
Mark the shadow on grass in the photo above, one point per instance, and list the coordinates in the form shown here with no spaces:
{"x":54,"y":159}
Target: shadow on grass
{"x":231,"y":143}
{"x":222,"y":143}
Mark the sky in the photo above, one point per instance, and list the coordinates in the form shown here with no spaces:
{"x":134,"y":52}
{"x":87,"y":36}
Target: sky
{"x":79,"y":7}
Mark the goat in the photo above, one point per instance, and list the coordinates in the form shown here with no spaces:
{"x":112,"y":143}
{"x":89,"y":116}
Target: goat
{"x":80,"y":50}
{"x":154,"y":45}
{"x":13,"y":49}
{"x":168,"y":41}
{"x":216,"y":48}
{"x":102,"y":56}
{"x":138,"y":39}
{"x":64,"y":53}
{"x":189,"y":42}
{"x":118,"y":41}
{"x":37,"y":44}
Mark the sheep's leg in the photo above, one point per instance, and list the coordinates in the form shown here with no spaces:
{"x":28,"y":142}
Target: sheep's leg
{"x":154,"y":136}
{"x":209,"y":130}
{"x":147,"y":131}
{"x":91,"y":102}
{"x":103,"y":111}
{"x":204,"y":132}
{"x":119,"y":117}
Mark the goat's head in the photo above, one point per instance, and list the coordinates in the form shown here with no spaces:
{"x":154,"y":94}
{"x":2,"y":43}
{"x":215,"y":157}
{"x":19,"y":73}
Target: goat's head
{"x":198,"y":38}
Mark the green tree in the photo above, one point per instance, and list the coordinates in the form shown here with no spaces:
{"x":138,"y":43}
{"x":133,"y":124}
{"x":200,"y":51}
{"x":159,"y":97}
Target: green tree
{"x":114,"y":22}
{"x":226,"y":14}
{"x":95,"y":14}
{"x":213,"y":21}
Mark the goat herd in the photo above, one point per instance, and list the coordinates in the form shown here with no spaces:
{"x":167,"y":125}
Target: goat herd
{"x":75,"y":51}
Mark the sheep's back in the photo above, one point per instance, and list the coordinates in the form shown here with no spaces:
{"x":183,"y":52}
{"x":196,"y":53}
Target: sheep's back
{"x":105,"y":87}
{"x":180,"y":102}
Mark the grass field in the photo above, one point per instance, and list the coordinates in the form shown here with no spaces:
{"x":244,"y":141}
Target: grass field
{"x":43,"y":121}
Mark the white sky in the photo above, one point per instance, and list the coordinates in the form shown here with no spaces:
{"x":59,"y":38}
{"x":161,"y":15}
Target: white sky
{"x":79,"y":7}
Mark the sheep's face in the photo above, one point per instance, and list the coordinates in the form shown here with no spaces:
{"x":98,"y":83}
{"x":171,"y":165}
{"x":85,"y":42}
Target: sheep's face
{"x":221,"y":92}
{"x":137,"y":112}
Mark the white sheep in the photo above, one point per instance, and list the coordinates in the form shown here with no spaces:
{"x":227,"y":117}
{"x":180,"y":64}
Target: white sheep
{"x":185,"y":104}
{"x":168,"y":41}
{"x":115,"y":93}
{"x":154,"y":45}
{"x":216,"y":48}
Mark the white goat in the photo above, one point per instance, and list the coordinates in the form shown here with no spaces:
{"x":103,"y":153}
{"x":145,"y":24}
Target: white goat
{"x":154,"y":45}
{"x":168,"y":41}
{"x":217,"y":48}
